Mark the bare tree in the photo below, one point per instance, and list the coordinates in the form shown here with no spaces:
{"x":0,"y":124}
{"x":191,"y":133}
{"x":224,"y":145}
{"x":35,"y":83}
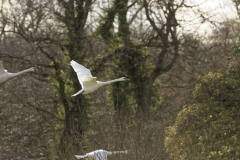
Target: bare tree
{"x":56,"y":32}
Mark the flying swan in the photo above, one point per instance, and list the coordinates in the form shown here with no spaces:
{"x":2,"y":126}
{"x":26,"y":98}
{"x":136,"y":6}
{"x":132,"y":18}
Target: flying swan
{"x":5,"y":75}
{"x":99,"y":154}
{"x":88,"y":82}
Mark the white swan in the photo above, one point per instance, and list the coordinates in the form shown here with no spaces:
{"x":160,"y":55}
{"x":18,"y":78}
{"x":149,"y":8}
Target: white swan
{"x":87,"y":81}
{"x":5,"y":75}
{"x":99,"y":154}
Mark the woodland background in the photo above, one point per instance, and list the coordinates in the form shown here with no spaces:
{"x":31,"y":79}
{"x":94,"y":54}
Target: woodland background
{"x":182,"y":59}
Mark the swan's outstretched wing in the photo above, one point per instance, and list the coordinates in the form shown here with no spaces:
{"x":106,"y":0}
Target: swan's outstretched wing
{"x":81,"y":71}
{"x":81,"y":156}
{"x":1,"y":68}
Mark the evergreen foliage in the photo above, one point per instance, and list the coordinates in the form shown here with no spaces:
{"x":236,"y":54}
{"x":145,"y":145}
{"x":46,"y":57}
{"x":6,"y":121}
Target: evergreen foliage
{"x":209,"y":127}
{"x":128,"y":59}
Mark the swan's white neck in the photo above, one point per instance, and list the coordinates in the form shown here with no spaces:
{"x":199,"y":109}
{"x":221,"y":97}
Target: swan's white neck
{"x":21,"y":72}
{"x":117,"y":152}
{"x":111,"y":81}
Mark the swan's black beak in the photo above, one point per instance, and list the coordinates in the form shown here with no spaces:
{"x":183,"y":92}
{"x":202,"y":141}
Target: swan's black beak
{"x":35,"y":69}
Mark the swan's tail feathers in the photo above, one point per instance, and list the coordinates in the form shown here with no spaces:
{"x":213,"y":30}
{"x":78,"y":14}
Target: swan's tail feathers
{"x":80,"y":157}
{"x":79,"y":92}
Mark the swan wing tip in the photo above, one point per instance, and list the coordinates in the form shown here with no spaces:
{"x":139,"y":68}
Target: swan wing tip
{"x":72,"y":61}
{"x":78,"y":93}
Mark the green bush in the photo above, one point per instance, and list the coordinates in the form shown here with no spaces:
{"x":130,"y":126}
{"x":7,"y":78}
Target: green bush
{"x":209,"y":127}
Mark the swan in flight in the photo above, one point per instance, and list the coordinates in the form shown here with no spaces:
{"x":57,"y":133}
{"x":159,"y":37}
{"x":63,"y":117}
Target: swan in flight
{"x":99,"y":154}
{"x":88,"y":82}
{"x":5,"y":75}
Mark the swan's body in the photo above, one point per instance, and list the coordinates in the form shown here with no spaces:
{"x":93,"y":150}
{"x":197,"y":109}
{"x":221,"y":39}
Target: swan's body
{"x":5,"y":75}
{"x":88,"y":82}
{"x":99,"y":154}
